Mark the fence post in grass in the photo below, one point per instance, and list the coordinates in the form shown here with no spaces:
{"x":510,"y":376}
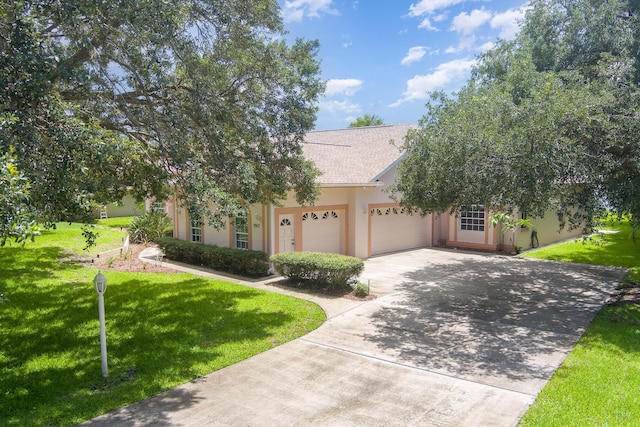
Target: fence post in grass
{"x":100,"y":285}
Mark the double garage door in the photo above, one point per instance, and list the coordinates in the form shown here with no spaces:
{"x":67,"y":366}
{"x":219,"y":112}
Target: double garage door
{"x":394,"y":229}
{"x":391,"y":229}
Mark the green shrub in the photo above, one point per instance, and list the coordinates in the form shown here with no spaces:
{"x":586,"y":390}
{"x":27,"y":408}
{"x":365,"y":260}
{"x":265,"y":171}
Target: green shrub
{"x":148,"y":226}
{"x":361,"y":290}
{"x":334,"y":270}
{"x":236,"y":261}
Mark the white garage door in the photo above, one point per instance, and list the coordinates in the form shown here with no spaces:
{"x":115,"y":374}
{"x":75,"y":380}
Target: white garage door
{"x":323,"y":231}
{"x":394,"y":230}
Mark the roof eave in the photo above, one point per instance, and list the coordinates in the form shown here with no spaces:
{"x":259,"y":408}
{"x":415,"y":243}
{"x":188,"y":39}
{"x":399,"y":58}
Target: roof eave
{"x":352,"y":184}
{"x":388,"y":168}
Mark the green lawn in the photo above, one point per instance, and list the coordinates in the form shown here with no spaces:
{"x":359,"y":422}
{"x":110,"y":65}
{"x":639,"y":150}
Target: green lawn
{"x":116,"y":222}
{"x":162,"y":330}
{"x":599,"y":382}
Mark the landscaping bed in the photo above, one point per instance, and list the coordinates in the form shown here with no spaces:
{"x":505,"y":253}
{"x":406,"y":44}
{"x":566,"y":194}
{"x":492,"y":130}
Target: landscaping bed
{"x":131,"y":262}
{"x":311,"y":287}
{"x":627,"y":293}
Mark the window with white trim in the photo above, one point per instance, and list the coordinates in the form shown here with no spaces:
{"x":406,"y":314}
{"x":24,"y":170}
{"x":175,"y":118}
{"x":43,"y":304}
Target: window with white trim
{"x":241,"y":231}
{"x":196,"y":229}
{"x":472,"y":218}
{"x":158,"y":206}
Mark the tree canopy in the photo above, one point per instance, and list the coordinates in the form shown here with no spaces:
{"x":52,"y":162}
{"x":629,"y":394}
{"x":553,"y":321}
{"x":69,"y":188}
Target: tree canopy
{"x":550,"y":120}
{"x":366,"y":120}
{"x":100,"y":98}
{"x":17,"y":221}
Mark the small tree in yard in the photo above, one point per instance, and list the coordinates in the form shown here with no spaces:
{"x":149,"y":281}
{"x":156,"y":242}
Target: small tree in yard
{"x":149,"y":226}
{"x":509,"y":224}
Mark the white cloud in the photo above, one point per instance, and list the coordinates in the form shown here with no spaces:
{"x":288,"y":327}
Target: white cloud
{"x":347,"y":41}
{"x":467,"y":23}
{"x":508,"y":22}
{"x":346,"y":87}
{"x":426,"y":24}
{"x":415,"y":54}
{"x":425,"y":7}
{"x":487,"y":46}
{"x":297,"y":10}
{"x":464,"y":44}
{"x":350,"y":119}
{"x":440,"y":17}
{"x":427,"y":10}
{"x":340,"y":106}
{"x":419,"y":87}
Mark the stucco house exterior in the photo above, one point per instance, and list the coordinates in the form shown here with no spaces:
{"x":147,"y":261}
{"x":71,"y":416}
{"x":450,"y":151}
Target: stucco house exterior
{"x":353,"y":214}
{"x":126,"y":207}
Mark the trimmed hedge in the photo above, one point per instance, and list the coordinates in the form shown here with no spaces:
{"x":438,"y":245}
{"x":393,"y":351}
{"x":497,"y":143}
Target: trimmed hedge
{"x":333,"y":270}
{"x":236,"y":261}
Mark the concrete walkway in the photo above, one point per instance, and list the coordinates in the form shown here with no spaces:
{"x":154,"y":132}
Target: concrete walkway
{"x":454,"y":338}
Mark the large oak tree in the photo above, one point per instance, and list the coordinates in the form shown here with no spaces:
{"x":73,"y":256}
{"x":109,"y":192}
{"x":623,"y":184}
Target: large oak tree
{"x":550,"y":120}
{"x":102,"y":97}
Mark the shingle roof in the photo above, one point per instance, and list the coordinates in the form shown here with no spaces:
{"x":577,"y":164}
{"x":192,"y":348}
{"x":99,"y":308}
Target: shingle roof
{"x":354,"y":155}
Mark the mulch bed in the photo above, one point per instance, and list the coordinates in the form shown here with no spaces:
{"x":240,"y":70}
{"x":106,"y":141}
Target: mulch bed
{"x":131,"y":262}
{"x":628,"y":293}
{"x":313,"y":288}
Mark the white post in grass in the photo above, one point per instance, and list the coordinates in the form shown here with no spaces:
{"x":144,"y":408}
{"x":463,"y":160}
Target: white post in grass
{"x":100,"y":285}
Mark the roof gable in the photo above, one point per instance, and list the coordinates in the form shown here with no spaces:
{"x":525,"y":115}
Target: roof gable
{"x":354,"y":155}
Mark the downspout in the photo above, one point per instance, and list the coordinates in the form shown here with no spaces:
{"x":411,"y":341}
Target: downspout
{"x":272,"y":231}
{"x":272,"y":235}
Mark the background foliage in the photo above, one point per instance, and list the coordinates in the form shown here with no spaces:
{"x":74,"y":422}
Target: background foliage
{"x":100,"y":98}
{"x":549,"y":121}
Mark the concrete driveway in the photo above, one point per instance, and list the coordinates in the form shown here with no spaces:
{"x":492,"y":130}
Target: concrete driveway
{"x":453,"y":338}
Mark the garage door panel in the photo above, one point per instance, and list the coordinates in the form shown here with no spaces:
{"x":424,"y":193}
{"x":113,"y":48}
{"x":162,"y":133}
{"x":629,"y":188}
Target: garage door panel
{"x":323,"y":231}
{"x":393,"y":229}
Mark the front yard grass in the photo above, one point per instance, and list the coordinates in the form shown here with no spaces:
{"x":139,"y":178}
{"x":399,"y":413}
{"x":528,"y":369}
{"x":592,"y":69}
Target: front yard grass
{"x":115,"y":222}
{"x":599,"y":380}
{"x":162,"y":330}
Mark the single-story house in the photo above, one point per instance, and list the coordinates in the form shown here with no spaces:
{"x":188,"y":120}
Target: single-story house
{"x":125,"y":207}
{"x":353,"y":214}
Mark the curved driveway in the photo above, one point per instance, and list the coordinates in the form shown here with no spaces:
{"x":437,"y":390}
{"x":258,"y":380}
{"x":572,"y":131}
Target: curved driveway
{"x":453,"y":338}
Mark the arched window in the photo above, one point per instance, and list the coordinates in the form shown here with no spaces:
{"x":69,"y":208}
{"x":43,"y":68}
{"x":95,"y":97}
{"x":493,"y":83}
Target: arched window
{"x":285,"y":222}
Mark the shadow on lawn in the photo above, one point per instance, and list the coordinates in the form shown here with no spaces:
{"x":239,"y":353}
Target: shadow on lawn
{"x":32,"y":263}
{"x":159,"y":331}
{"x":493,"y":317}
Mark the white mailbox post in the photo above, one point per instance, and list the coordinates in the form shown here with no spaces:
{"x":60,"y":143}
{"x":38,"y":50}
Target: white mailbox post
{"x":100,"y":285}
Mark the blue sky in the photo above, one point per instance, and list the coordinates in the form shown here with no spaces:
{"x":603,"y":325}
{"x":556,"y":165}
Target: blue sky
{"x":383,"y":57}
